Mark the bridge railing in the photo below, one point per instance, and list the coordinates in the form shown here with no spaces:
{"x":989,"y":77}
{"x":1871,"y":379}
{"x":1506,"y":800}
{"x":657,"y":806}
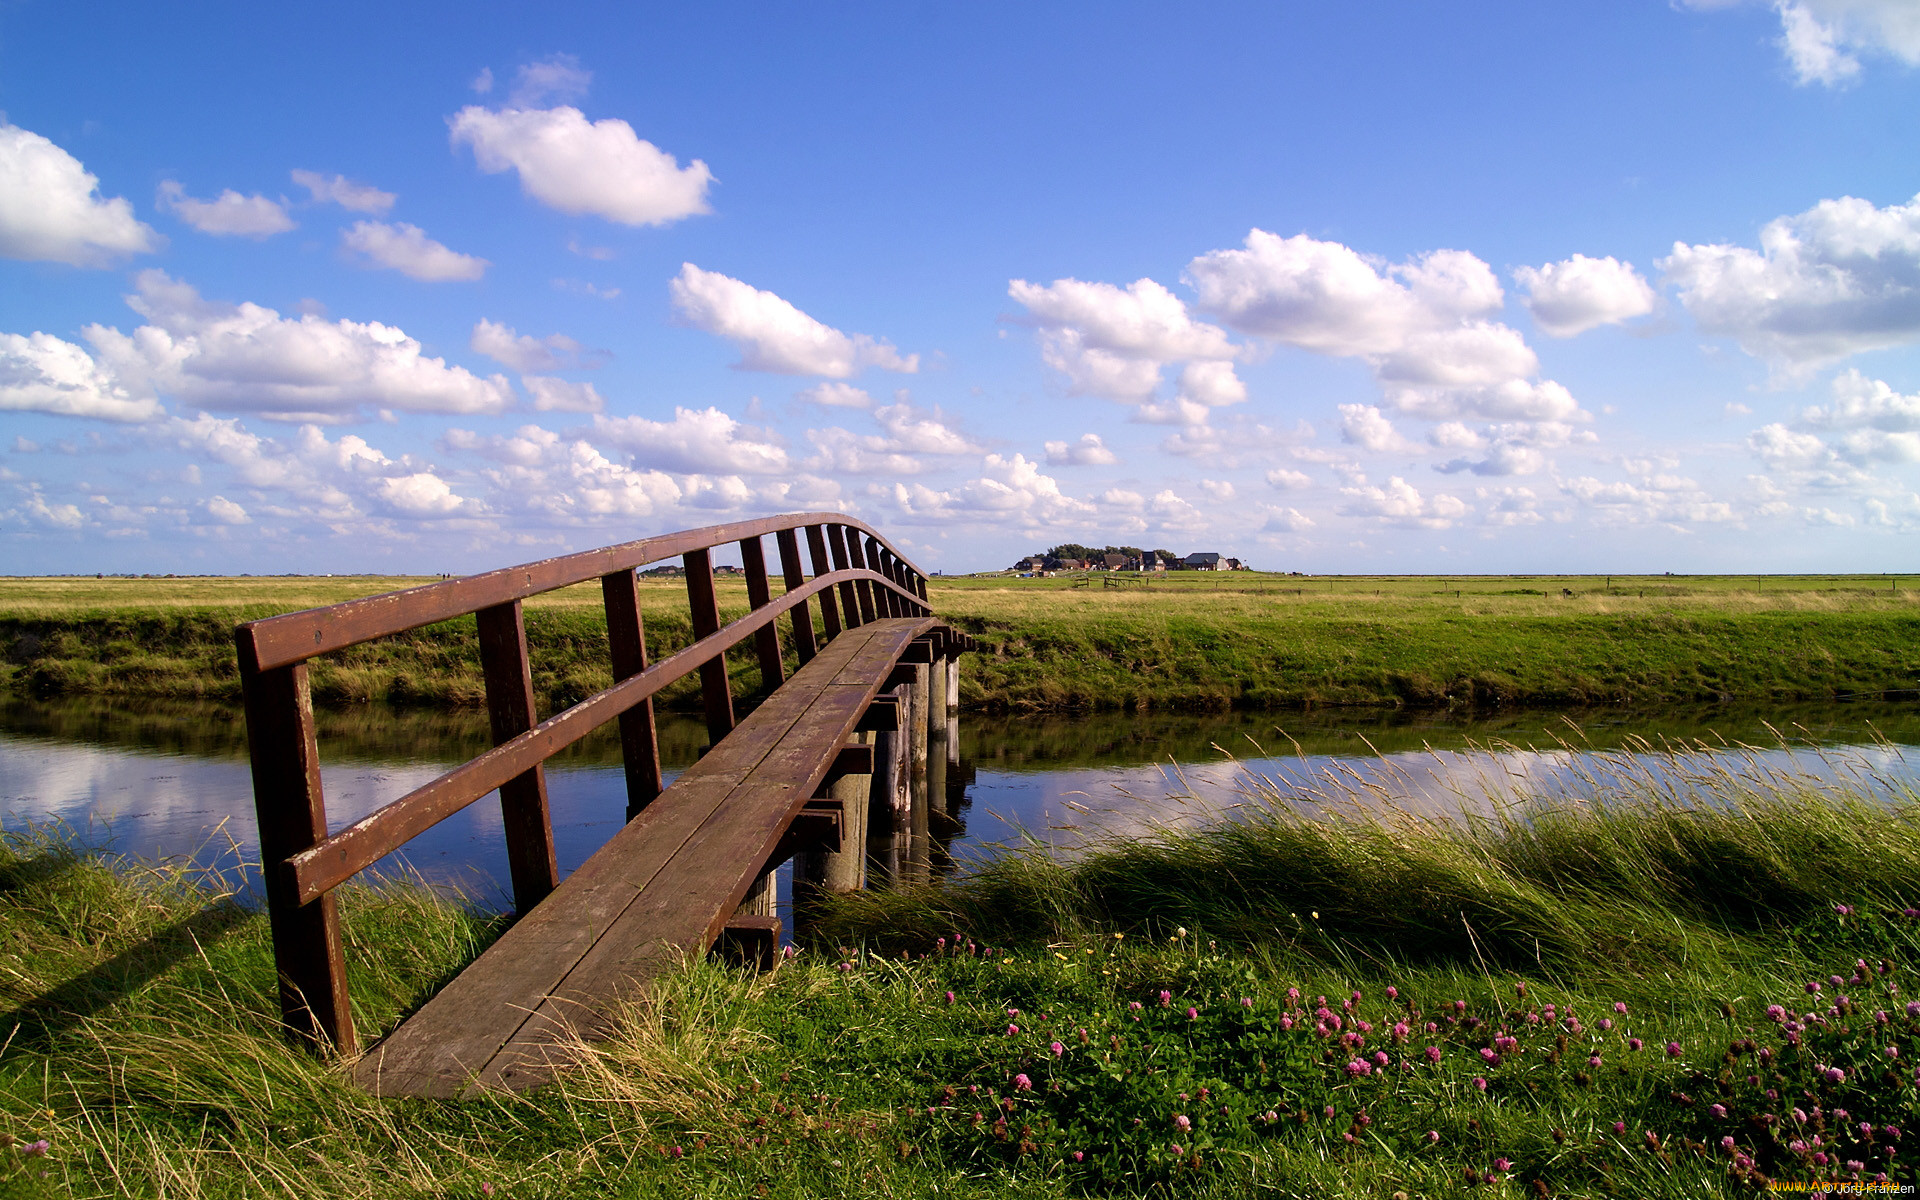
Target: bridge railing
{"x":857,"y":577}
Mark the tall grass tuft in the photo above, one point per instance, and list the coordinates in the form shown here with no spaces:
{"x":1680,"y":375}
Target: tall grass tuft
{"x":1642,"y":859}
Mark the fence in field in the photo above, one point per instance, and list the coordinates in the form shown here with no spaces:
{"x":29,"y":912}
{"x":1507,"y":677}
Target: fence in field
{"x":828,"y":770}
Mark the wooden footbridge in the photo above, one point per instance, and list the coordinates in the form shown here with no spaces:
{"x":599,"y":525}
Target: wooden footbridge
{"x":827,"y":752}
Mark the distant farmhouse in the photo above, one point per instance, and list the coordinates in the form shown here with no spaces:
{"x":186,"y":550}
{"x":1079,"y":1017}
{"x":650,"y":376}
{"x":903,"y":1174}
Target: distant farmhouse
{"x":1070,"y":556}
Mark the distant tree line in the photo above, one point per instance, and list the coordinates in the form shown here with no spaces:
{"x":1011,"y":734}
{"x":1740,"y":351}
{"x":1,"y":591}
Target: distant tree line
{"x":1089,"y":553}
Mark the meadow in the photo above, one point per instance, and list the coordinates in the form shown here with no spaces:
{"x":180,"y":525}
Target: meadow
{"x":1197,"y":641}
{"x":1626,"y":996}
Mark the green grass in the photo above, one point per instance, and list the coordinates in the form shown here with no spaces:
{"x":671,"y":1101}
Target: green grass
{"x":888,"y":1058}
{"x":1194,"y":641}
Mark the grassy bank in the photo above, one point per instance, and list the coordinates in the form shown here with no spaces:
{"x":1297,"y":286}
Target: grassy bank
{"x":1191,"y":642}
{"x":1618,"y":998}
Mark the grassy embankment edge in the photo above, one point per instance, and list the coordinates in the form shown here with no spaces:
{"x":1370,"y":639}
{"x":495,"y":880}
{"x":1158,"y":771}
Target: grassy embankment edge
{"x":1071,"y":651}
{"x":1629,"y":948}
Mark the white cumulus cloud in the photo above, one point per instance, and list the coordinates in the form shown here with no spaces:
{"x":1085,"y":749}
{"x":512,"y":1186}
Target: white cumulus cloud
{"x":1421,"y":324}
{"x":835,"y":395}
{"x":245,"y":357}
{"x":42,"y":373}
{"x":578,"y":166}
{"x":1400,"y":503}
{"x":226,"y":512}
{"x":1823,"y":39}
{"x":1837,"y":279}
{"x":522,"y":352}
{"x":1112,"y":342}
{"x":51,"y":210}
{"x":694,"y":440}
{"x":227,"y":215}
{"x":408,"y":250}
{"x":772,"y":334}
{"x":1089,"y":451}
{"x":552,"y":394}
{"x":1581,"y":293}
{"x":338,"y":189}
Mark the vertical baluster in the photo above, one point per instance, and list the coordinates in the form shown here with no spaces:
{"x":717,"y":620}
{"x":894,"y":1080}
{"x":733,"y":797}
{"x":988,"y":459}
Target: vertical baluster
{"x":881,"y":560}
{"x":882,"y":597}
{"x":307,"y":949}
{"x":715,"y":696}
{"x":855,"y":597}
{"x":627,"y":639}
{"x":523,"y":799}
{"x":804,"y":645}
{"x":871,"y":608}
{"x":822,"y":565}
{"x":766,"y":639}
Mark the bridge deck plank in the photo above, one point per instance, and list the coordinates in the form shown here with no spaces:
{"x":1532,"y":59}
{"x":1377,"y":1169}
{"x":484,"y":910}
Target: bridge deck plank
{"x":661,"y":888}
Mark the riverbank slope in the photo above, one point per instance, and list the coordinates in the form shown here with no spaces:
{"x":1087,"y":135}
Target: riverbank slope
{"x":1195,"y":641}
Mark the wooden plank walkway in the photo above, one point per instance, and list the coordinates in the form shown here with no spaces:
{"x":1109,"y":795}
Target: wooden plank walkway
{"x":662,"y":888}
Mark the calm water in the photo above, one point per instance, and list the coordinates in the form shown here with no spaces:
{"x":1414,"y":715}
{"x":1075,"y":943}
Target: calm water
{"x":170,"y":780}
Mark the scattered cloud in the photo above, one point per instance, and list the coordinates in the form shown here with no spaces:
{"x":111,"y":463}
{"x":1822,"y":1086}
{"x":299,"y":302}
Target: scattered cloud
{"x":1089,"y":451}
{"x":228,"y":215}
{"x":581,"y":287}
{"x":483,"y":82}
{"x":1671,"y":500}
{"x":1363,"y":425}
{"x":1509,"y":507}
{"x":1010,"y":492}
{"x":772,"y":334}
{"x":835,"y":395}
{"x":552,"y":394}
{"x":51,"y":209}
{"x":1400,"y":503}
{"x":559,"y":77}
{"x":223,"y":511}
{"x":41,"y":373}
{"x":1823,"y":39}
{"x":693,"y":441}
{"x":1287,"y":479}
{"x":245,"y":357}
{"x":408,"y":250}
{"x":1840,"y":278}
{"x":1581,"y":293}
{"x":1113,"y":342}
{"x":521,"y":352}
{"x":566,"y":162}
{"x":1420,"y":324}
{"x":1286,"y":520}
{"x":338,"y":189}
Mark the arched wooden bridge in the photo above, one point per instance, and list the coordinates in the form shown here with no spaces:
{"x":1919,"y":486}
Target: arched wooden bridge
{"x":694,"y":861}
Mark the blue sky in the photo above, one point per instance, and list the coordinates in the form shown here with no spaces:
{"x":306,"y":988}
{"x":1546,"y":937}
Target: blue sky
{"x":1376,"y":287}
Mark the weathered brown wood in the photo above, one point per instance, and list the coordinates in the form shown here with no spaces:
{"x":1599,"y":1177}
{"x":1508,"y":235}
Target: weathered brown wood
{"x":295,"y":637}
{"x":360,"y":844}
{"x":843,"y":561}
{"x":523,"y":799}
{"x":851,"y":760}
{"x":639,"y":736}
{"x":822,"y":565}
{"x":883,"y":714}
{"x":461,"y":1030}
{"x":870,"y":607}
{"x":666,"y":921}
{"x":291,"y":808}
{"x":766,"y":640}
{"x":750,"y":941}
{"x":793,"y":576}
{"x":715,"y":696}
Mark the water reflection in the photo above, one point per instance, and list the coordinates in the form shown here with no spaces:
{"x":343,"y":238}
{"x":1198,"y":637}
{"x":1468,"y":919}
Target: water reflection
{"x":171,"y":780}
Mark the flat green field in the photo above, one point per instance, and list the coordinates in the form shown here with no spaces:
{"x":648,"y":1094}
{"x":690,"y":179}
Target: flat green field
{"x":1200,"y":641}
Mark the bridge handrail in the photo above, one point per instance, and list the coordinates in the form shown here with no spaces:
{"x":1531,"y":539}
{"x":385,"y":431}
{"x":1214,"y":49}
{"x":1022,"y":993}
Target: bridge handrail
{"x":858,"y":577}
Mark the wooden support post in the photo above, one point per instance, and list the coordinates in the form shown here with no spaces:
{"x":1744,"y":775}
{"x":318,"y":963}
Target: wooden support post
{"x":766,"y":639}
{"x":822,"y":565}
{"x":890,"y":807}
{"x":523,"y":799}
{"x":805,"y":646}
{"x":307,"y":949}
{"x":639,"y":737}
{"x":953,"y":709}
{"x":715,"y":696}
{"x":918,"y":741}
